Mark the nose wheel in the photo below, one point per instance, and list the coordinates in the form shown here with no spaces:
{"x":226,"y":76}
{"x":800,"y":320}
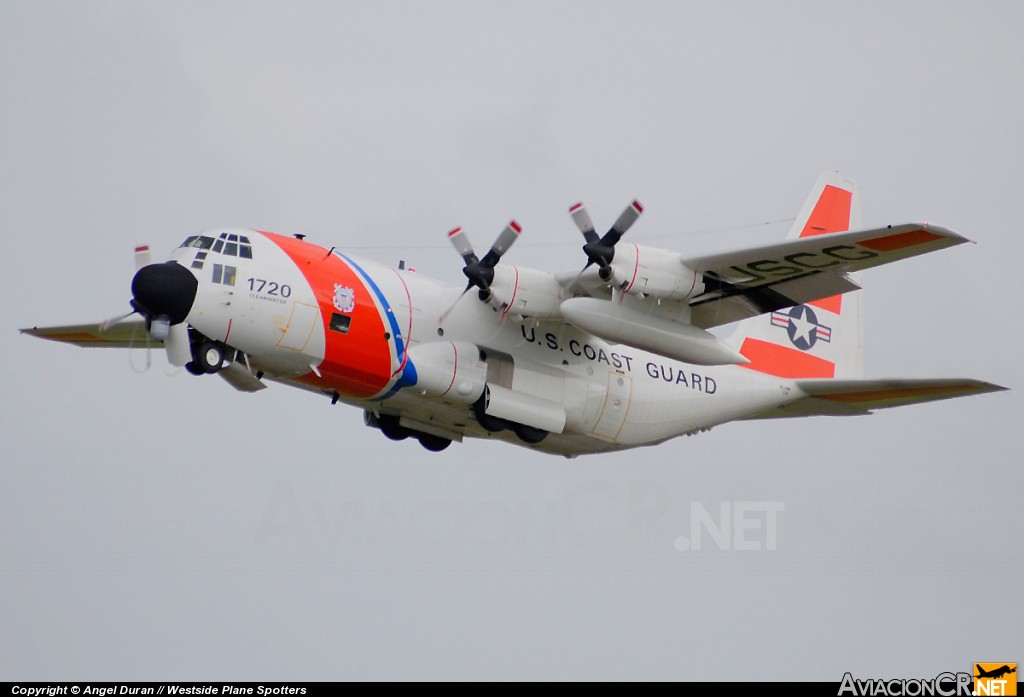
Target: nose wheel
{"x":207,"y":359}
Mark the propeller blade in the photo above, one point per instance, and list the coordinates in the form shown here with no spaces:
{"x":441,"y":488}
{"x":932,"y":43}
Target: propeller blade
{"x":451,"y":307}
{"x":571,"y":284}
{"x":179,"y":352}
{"x":142,"y":256}
{"x":107,"y":324}
{"x":505,"y":240}
{"x":624,"y":222}
{"x":581,"y":217}
{"x":462,"y":245}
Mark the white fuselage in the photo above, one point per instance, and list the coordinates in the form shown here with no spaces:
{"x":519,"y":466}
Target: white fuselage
{"x":350,"y":328}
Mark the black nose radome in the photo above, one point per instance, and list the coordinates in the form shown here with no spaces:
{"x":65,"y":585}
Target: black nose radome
{"x":167,"y":290}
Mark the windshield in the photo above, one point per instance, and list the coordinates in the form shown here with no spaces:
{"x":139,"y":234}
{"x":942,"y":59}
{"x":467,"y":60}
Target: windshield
{"x":198,"y":241}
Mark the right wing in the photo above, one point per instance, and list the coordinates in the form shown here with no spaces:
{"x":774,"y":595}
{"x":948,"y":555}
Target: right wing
{"x":754,"y":281}
{"x":764,"y":279}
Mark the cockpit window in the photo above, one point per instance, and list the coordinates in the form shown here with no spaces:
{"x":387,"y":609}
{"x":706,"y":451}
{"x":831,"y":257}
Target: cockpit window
{"x":233,"y":246}
{"x":198,"y":241}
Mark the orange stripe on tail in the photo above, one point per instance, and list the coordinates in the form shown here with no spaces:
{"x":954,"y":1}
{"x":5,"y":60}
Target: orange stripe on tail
{"x":832,"y":304}
{"x":784,"y":362}
{"x":831,"y":213}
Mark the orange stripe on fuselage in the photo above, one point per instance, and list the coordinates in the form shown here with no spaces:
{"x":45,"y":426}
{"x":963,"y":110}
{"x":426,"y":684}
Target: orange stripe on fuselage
{"x":784,"y":362}
{"x":356,"y":364}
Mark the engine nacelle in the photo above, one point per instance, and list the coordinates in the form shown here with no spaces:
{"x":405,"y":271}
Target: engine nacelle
{"x":660,"y":273}
{"x":526,"y":292}
{"x":450,"y":369}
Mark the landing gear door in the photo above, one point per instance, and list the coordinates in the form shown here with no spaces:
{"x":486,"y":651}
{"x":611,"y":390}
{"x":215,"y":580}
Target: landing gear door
{"x":616,"y":406}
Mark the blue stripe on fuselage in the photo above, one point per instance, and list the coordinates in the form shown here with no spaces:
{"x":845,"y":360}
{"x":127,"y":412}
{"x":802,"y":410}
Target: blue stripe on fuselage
{"x":408,"y":376}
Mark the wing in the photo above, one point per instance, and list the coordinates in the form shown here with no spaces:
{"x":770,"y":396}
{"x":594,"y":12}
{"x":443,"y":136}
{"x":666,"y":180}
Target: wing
{"x":858,"y":397}
{"x":134,"y":335}
{"x":754,"y":281}
{"x":122,"y":335}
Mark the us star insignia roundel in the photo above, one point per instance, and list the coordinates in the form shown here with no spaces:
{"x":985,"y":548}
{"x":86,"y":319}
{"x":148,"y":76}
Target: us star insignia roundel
{"x":802,"y":326}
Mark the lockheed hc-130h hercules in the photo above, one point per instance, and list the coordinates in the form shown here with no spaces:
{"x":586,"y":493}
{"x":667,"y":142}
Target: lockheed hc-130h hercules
{"x":613,"y":357}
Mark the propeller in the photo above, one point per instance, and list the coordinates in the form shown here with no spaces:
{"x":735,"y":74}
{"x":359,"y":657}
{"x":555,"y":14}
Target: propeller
{"x":480,"y":272}
{"x":601,"y":250}
{"x":163,"y":295}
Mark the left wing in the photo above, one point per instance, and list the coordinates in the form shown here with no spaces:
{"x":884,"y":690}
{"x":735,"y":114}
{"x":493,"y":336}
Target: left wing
{"x":754,"y":281}
{"x":134,"y":335}
{"x":858,"y":397}
{"x":121,"y":335}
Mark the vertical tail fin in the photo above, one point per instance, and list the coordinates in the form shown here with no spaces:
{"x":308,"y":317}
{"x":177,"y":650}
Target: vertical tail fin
{"x":824,"y":338}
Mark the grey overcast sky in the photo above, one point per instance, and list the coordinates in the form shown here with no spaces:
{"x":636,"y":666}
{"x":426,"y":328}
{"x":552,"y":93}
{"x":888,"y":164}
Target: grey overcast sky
{"x":157,"y":527}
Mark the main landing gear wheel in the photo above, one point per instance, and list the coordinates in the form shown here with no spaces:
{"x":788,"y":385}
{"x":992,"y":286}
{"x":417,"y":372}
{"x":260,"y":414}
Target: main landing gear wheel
{"x":529,"y":434}
{"x":490,"y":423}
{"x":434,"y":444}
{"x":209,"y":358}
{"x":390,"y":427}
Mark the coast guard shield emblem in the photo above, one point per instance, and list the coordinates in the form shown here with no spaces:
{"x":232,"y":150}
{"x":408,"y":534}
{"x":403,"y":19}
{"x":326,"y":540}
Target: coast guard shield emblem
{"x":344,"y":298}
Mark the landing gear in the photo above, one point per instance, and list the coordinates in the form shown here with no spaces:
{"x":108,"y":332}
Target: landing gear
{"x":490,"y":423}
{"x":208,"y":358}
{"x":389,"y":425}
{"x":494,"y":424}
{"x":434,"y":444}
{"x":529,"y":434}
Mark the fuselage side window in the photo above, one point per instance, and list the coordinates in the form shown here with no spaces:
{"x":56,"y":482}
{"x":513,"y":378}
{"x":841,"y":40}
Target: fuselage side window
{"x":224,"y":274}
{"x":340,"y":323}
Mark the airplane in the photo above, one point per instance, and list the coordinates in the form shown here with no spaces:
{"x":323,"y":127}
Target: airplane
{"x":616,"y":356}
{"x":995,"y":673}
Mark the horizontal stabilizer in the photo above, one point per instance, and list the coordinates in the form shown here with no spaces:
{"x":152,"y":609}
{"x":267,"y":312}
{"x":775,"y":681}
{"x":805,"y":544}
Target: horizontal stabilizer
{"x":858,"y":397}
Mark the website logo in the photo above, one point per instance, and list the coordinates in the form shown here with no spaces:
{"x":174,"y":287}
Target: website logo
{"x":995,"y":679}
